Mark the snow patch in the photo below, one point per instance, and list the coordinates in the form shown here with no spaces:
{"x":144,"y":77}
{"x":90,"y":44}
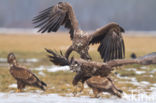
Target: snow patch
{"x":31,"y":60}
{"x":3,"y":60}
{"x":53,"y":68}
{"x":143,"y":67}
{"x":13,"y":86}
{"x":145,"y":82}
{"x":153,"y":71}
{"x":41,"y":73}
{"x":21,"y":60}
{"x":154,"y":84}
{"x":131,"y":69}
{"x":140,"y":72}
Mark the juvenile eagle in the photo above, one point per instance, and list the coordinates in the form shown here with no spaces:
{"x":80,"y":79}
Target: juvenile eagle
{"x":86,"y":69}
{"x":109,"y":37}
{"x":23,"y":76}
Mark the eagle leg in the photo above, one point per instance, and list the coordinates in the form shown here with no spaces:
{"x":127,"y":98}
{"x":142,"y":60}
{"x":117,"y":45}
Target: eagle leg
{"x":76,"y":80}
{"x":75,"y":91}
{"x":82,"y":87}
{"x":84,"y":54}
{"x":83,"y":81}
{"x":96,"y":92}
{"x":119,"y":90}
{"x":20,"y":86}
{"x":68,"y":52}
{"x":116,"y":93}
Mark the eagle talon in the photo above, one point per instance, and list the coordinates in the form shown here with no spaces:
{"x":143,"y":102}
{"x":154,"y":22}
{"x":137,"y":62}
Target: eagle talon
{"x":74,"y":94}
{"x":75,"y":91}
{"x":18,"y":90}
{"x":94,"y":96}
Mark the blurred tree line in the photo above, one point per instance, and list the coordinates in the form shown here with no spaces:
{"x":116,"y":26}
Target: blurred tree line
{"x":91,"y":14}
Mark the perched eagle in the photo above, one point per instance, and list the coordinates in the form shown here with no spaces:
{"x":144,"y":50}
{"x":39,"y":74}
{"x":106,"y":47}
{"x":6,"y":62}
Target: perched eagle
{"x":109,"y":37}
{"x":86,"y":69}
{"x":23,"y":76}
{"x":103,"y":84}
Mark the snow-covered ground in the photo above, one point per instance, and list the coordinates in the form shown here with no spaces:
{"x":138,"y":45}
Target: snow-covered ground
{"x":39,"y":97}
{"x":54,"y":98}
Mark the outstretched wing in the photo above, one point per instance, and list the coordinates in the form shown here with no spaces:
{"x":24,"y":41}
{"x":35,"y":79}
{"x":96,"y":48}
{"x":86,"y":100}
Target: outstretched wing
{"x":144,"y":60}
{"x":147,"y":59}
{"x":111,"y":42}
{"x":50,"y":19}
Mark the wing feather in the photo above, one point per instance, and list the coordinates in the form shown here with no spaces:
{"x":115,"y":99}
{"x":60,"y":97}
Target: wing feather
{"x":50,"y":19}
{"x":43,"y":15}
{"x":23,"y":74}
{"x":54,"y":22}
{"x":119,"y":50}
{"x":116,"y":48}
{"x":44,"y":21}
{"x":49,"y":22}
{"x":113,"y":49}
{"x":123,"y":48}
{"x":111,"y":42}
{"x":56,"y":58}
{"x":107,"y":51}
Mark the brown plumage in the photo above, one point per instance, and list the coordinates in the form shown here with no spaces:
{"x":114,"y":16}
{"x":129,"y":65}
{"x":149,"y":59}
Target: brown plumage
{"x":103,"y":84}
{"x":109,"y":37}
{"x":86,"y":69}
{"x":23,"y":76}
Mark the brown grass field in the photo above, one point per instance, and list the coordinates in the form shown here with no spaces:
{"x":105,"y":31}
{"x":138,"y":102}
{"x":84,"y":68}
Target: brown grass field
{"x":32,"y":46}
{"x":35,"y":43}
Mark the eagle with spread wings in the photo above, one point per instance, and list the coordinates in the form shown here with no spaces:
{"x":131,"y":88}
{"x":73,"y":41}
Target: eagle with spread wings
{"x":23,"y":76}
{"x":109,"y":37}
{"x":86,"y":69}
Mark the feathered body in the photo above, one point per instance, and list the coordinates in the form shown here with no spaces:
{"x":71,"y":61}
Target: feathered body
{"x":23,"y":76}
{"x":109,"y":37}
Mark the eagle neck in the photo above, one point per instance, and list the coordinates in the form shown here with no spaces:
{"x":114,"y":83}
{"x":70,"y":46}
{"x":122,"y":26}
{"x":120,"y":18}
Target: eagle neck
{"x":14,"y":63}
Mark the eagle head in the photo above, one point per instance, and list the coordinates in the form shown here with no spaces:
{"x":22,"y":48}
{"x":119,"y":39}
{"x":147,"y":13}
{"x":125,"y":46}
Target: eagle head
{"x":11,"y":58}
{"x":74,"y":65}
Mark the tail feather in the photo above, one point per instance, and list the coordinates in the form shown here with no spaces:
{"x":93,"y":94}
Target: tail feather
{"x":41,"y":85}
{"x":44,"y":84}
{"x":57,"y":59}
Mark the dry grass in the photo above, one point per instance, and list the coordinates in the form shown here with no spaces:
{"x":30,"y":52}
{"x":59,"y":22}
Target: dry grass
{"x":60,"y":41}
{"x":33,"y":42}
{"x":140,"y":44}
